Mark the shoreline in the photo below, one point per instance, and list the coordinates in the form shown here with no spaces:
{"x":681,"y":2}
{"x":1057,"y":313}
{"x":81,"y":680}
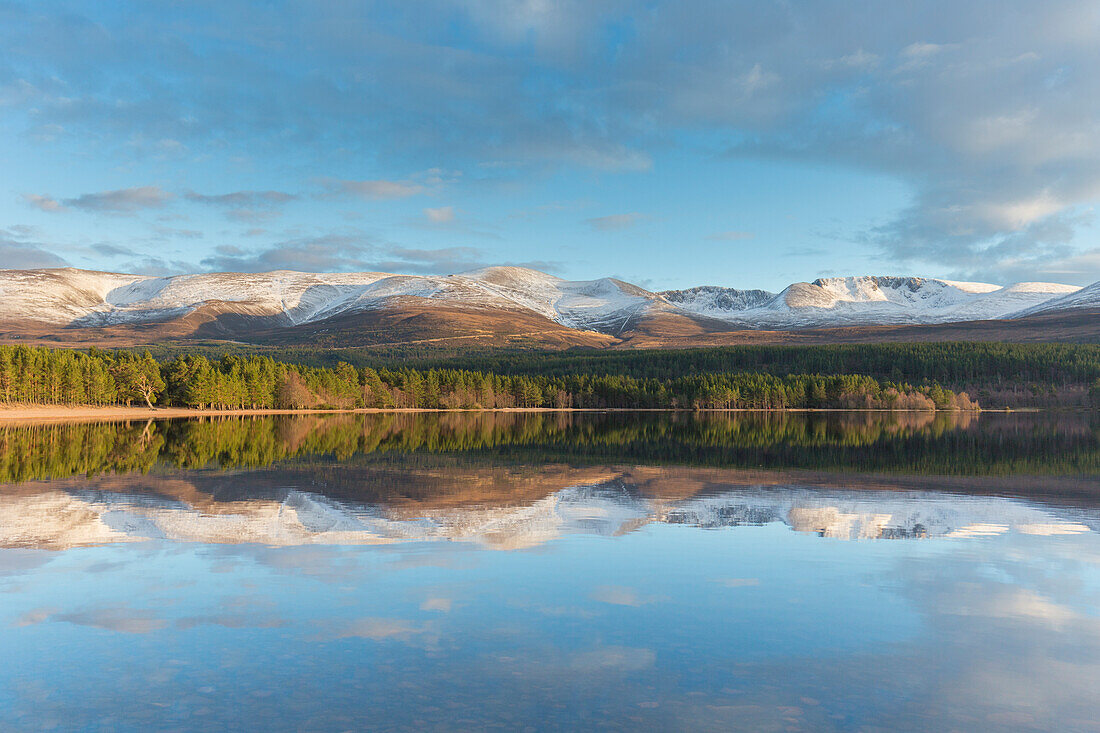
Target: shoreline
{"x":63,"y":413}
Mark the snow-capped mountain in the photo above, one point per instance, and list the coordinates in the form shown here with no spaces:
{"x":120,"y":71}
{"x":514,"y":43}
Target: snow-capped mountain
{"x":74,"y":299}
{"x":605,"y":305}
{"x":1078,"y":299}
{"x":716,"y":301}
{"x":857,"y":301}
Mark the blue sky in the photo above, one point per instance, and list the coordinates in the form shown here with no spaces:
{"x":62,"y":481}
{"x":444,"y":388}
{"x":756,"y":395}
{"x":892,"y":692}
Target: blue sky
{"x":671,"y":144}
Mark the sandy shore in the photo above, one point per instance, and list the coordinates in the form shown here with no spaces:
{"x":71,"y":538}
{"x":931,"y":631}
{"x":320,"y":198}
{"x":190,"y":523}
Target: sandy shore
{"x":63,"y":412}
{"x":79,"y":413}
{"x":86,"y":413}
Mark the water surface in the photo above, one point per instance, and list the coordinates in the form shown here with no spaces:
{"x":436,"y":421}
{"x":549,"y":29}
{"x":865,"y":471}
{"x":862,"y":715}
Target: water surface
{"x":860,"y":571}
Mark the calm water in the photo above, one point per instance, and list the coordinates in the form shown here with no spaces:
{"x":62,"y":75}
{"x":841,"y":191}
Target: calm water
{"x":763,"y":572}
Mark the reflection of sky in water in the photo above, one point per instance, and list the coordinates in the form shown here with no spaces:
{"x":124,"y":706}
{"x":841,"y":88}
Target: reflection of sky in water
{"x":729,"y":609}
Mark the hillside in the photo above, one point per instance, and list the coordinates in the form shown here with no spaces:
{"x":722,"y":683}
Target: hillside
{"x":514,"y":306}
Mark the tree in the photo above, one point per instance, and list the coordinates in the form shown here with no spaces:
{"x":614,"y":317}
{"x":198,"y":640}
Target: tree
{"x":1094,"y":393}
{"x":293,"y":393}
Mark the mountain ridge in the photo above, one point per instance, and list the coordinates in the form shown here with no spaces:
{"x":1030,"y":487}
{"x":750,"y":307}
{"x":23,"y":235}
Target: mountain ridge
{"x":489,"y":301}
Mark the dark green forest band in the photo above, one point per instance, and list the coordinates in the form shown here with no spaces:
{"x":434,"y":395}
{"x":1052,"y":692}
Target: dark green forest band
{"x":38,"y":375}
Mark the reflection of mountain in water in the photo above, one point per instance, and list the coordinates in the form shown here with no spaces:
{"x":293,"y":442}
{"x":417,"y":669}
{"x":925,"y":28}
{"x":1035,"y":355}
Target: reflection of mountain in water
{"x":172,"y":509}
{"x":881,"y":515}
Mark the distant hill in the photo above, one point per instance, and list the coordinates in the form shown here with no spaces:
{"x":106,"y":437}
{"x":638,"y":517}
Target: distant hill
{"x":521,"y":307}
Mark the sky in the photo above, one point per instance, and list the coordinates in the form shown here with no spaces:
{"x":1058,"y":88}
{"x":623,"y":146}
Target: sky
{"x":668,"y":143}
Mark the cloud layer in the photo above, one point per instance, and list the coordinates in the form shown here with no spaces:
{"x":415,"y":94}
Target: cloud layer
{"x":20,"y":251}
{"x":988,"y":112}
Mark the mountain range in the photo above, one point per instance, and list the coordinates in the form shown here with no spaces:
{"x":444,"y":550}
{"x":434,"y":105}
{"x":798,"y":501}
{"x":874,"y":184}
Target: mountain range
{"x":514,"y":305}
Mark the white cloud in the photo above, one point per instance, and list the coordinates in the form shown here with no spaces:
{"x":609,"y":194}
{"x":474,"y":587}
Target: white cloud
{"x":442,"y":215}
{"x":920,"y":50}
{"x":376,"y":189}
{"x":242,"y":199}
{"x":121,"y":201}
{"x":19,"y":251}
{"x":43,"y":203}
{"x":615,"y":221}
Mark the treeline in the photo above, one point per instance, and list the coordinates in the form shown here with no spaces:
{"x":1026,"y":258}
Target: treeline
{"x":64,"y":377}
{"x":950,"y":363}
{"x":939,"y":444}
{"x":960,"y":365}
{"x":57,"y":376}
{"x":998,"y":374}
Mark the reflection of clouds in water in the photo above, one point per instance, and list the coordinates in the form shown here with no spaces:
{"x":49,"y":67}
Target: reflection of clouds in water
{"x":1007,"y":602}
{"x":105,"y":566}
{"x":450,"y":556}
{"x":552,"y":611}
{"x":996,"y":626}
{"x":546,"y":664}
{"x":613,"y":659}
{"x":15,"y":561}
{"x":328,"y":563}
{"x":441,"y":605}
{"x":370,"y":628}
{"x":618,"y":595}
{"x":1006,"y":638}
{"x":231,"y":621}
{"x":994,"y":654}
{"x":128,"y":620}
{"x":124,"y":619}
{"x":234,"y":612}
{"x":1006,"y":649}
{"x":738,"y":582}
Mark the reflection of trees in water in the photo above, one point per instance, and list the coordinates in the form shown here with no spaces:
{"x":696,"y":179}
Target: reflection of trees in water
{"x":925,"y":442}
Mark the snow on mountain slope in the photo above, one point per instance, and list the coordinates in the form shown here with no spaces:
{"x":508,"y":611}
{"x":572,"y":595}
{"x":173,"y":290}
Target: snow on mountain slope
{"x":292,"y":297}
{"x":603,"y":304}
{"x":1087,"y":297}
{"x":598,"y":305}
{"x":868,"y":300}
{"x":1006,"y":301}
{"x":915,"y":292}
{"x":394,"y":289}
{"x":715,"y":301}
{"x":859,"y":300}
{"x":57,"y":296}
{"x":82,"y":298}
